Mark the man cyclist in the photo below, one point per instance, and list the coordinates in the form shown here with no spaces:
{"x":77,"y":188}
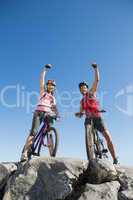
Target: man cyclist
{"x":46,"y":104}
{"x":90,"y":106}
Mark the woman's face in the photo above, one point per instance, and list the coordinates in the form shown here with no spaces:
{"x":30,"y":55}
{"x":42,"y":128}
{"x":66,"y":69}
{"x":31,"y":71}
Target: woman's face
{"x":83,"y":89}
{"x":50,"y":88}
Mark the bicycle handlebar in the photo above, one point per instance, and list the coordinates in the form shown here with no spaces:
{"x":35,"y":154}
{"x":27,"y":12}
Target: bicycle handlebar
{"x":53,"y":115}
{"x":83,"y":113}
{"x":102,"y":111}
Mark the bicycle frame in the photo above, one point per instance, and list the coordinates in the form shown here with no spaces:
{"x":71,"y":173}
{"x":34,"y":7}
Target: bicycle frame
{"x":94,"y":144}
{"x":40,"y":135}
{"x":100,"y":150}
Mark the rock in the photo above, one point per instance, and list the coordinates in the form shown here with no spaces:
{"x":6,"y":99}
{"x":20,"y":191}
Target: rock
{"x":126,"y":181}
{"x":44,"y":179}
{"x":119,"y":169}
{"x":101,"y":170}
{"x":126,"y":195}
{"x":104,"y":191}
{"x":6,"y":169}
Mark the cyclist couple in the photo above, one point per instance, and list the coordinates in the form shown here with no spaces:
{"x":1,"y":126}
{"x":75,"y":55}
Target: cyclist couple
{"x":88,"y":105}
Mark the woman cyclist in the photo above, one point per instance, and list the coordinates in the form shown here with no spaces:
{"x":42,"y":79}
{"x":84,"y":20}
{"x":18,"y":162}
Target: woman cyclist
{"x":46,"y":104}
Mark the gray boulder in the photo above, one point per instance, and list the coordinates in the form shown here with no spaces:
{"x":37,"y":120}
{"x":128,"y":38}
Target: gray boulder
{"x":126,"y":181}
{"x":6,"y":170}
{"x":44,"y":179}
{"x":101,"y":170}
{"x":104,"y":191}
{"x":48,"y":178}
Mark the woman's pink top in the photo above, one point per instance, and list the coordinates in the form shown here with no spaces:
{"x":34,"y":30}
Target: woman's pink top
{"x":46,"y":103}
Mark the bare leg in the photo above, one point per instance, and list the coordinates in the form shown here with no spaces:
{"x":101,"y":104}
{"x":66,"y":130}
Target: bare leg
{"x":35,"y":124}
{"x":110,"y":145}
{"x":28,"y":144}
{"x":26,"y":148}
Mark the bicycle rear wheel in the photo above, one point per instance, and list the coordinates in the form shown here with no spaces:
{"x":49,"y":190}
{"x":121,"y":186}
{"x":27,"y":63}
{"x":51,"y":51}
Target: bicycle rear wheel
{"x":89,"y":141}
{"x":97,"y":145}
{"x":51,"y":141}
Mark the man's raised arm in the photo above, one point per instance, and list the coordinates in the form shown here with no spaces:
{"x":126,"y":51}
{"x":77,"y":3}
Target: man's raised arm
{"x":97,"y":78}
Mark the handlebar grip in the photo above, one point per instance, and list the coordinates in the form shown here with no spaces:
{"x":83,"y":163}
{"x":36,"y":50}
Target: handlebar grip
{"x":102,"y":111}
{"x":48,"y":66}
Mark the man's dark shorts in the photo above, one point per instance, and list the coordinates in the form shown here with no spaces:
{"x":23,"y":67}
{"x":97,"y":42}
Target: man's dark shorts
{"x":98,"y":123}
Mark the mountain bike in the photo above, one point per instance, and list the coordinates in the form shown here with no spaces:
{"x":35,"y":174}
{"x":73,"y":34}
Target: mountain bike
{"x":94,"y":143}
{"x":47,"y":136}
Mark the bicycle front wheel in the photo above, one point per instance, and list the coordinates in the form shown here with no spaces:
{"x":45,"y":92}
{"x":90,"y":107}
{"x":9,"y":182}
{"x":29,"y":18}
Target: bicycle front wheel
{"x":89,"y":140}
{"x":51,"y":141}
{"x":98,"y":150}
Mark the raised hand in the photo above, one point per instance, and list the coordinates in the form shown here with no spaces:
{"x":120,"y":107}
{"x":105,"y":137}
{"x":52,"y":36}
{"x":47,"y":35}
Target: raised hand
{"x":94,"y":65}
{"x":48,"y":66}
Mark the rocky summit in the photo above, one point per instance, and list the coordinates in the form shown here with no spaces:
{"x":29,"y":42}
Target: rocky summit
{"x":46,"y":178}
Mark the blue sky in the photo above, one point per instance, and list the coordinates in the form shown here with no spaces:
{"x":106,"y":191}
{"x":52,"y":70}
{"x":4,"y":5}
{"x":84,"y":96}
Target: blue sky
{"x":71,"y":35}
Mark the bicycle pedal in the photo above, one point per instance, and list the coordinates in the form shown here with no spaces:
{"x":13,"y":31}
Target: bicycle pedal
{"x":35,"y":154}
{"x":98,"y":153}
{"x":105,"y":151}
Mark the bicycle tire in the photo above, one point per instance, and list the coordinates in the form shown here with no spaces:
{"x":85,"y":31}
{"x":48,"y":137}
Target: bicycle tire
{"x":98,"y":149}
{"x":54,"y":142}
{"x":40,"y":145}
{"x":89,"y":141}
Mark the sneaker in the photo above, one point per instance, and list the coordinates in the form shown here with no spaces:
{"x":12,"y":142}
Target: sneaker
{"x":115,"y":161}
{"x":24,"y":157}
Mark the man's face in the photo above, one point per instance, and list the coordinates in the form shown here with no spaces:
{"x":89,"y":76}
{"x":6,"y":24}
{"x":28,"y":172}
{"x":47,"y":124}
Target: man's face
{"x":50,"y":88}
{"x":83,"y":89}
